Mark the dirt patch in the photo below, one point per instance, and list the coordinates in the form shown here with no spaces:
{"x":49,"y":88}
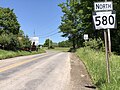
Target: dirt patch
{"x":80,"y":80}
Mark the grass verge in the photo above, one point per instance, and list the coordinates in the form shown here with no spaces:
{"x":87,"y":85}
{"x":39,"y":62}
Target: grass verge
{"x":62,"y":49}
{"x":96,"y":66}
{"x":9,"y":54}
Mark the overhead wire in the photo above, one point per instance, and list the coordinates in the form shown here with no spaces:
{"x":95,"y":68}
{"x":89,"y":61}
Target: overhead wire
{"x":48,"y":35}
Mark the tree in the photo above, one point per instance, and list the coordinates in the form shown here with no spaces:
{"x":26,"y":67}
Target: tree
{"x":66,"y":43}
{"x":8,"y":21}
{"x":77,"y":20}
{"x":72,"y":24}
{"x":21,"y":33}
{"x":48,"y":43}
{"x":14,"y":43}
{"x":54,"y":44}
{"x":26,"y":43}
{"x":11,"y":37}
{"x":68,"y":26}
{"x":9,"y":42}
{"x":115,"y":33}
{"x":4,"y":41}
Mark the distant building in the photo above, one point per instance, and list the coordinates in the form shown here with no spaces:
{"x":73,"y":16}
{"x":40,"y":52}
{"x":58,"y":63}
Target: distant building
{"x":35,"y":40}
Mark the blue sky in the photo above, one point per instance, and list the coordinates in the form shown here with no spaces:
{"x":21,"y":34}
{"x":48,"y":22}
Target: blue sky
{"x":41,"y":16}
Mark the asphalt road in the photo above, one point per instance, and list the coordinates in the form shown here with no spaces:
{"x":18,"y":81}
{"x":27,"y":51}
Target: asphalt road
{"x":48,"y":71}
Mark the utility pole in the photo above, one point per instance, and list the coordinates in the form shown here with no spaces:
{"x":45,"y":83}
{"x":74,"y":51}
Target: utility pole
{"x":49,"y":43}
{"x":34,"y":32}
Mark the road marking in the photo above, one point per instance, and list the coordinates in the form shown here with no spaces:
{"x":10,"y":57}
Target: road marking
{"x":19,"y":63}
{"x":16,"y":77}
{"x":23,"y":73}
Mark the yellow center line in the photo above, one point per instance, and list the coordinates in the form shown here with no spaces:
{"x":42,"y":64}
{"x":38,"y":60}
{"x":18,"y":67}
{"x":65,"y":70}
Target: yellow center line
{"x":19,"y":63}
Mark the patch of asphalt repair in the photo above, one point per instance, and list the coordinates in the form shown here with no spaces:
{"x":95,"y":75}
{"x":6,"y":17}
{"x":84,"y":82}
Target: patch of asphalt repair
{"x":80,"y":79}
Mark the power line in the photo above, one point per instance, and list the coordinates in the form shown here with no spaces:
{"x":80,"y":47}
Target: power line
{"x":48,"y":35}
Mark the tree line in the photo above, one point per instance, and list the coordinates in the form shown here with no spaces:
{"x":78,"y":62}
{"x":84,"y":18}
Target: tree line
{"x":50,"y":44}
{"x":77,"y":21}
{"x":11,"y":37}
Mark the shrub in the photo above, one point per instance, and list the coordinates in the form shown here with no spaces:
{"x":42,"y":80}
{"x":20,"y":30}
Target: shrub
{"x":51,"y":47}
{"x":12,"y":42}
{"x":95,"y":44}
{"x":4,"y":40}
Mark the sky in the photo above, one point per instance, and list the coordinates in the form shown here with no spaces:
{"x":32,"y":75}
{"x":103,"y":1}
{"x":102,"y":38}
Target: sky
{"x":40,"y":16}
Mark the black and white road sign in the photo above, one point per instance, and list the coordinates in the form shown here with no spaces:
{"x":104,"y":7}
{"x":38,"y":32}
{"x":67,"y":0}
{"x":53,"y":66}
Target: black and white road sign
{"x":104,"y":20}
{"x":103,"y":6}
{"x":85,"y":36}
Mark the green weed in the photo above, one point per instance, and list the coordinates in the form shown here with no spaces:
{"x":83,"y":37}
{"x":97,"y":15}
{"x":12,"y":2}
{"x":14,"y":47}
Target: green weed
{"x":9,"y":54}
{"x":96,"y":65}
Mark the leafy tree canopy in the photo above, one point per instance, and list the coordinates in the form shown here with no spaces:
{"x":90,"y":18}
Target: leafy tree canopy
{"x":48,"y":43}
{"x":66,"y":43}
{"x":8,"y":21}
{"x":77,"y":21}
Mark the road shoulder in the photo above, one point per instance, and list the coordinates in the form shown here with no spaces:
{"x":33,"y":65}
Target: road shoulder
{"x":80,"y":79}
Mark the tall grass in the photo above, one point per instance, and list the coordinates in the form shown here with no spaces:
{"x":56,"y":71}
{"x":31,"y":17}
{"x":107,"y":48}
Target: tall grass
{"x":9,"y":54}
{"x":96,"y":65}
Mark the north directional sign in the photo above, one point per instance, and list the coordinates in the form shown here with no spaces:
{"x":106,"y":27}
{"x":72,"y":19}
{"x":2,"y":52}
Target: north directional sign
{"x":103,"y":6}
{"x":104,"y":20}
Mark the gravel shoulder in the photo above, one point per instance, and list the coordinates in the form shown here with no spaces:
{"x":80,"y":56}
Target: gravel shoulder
{"x":80,"y":79}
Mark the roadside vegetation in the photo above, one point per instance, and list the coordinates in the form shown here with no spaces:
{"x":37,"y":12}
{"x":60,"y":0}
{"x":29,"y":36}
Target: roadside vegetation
{"x":61,"y":49}
{"x":96,"y":65}
{"x":93,"y":56}
{"x":13,"y":41}
{"x":4,"y":54}
{"x":77,"y":21}
{"x":63,"y":46}
{"x":11,"y":37}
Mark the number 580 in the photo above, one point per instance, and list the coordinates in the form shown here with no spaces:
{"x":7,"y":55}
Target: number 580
{"x":104,"y":20}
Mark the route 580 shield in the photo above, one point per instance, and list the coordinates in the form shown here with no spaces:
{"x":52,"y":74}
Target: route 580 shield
{"x":104,"y":20}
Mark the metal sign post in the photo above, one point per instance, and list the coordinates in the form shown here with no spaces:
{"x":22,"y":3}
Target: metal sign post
{"x":107,"y":56}
{"x":109,"y":41}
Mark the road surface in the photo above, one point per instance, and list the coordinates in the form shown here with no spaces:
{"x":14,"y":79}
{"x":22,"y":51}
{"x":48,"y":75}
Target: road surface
{"x":48,"y":71}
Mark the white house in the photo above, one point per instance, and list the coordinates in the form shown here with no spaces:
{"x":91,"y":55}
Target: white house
{"x":35,"y":39}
